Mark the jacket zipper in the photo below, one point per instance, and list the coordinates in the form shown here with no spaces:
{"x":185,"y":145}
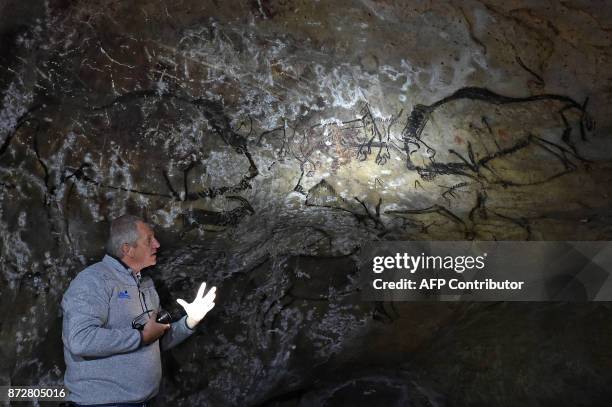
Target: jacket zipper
{"x":140,"y":293}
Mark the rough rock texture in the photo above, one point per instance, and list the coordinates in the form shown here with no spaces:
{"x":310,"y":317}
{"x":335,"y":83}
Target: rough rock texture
{"x":268,"y":141}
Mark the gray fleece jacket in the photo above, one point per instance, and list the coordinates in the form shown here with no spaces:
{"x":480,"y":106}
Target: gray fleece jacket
{"x":105,"y":359}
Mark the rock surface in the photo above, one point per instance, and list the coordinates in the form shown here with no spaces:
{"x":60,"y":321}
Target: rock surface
{"x":268,"y":141}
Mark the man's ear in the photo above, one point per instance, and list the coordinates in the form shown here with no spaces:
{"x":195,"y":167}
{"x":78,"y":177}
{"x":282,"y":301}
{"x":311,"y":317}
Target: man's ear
{"x":126,"y":249}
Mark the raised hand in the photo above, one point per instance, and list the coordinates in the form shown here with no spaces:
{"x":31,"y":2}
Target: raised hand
{"x":199,"y":307}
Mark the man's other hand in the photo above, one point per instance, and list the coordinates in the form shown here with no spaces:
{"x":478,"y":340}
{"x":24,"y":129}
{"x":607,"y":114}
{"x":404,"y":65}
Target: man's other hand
{"x":152,"y":330}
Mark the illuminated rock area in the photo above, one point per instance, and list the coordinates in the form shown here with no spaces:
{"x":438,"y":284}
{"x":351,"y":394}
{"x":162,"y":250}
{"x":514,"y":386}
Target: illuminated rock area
{"x":268,"y":141}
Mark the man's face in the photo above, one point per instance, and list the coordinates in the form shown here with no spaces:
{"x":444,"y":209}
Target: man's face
{"x":143,"y":254}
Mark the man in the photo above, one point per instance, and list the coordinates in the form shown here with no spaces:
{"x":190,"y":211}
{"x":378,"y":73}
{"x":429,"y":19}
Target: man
{"x":108,"y":360}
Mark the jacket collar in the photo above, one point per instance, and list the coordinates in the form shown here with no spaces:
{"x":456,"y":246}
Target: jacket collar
{"x":120,"y":266}
{"x":117,"y":264}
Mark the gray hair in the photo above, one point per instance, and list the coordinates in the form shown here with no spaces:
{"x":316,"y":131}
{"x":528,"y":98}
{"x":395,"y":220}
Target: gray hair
{"x":124,"y":229}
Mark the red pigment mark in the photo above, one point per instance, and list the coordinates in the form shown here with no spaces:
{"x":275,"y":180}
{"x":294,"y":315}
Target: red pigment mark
{"x":458,"y":139}
{"x":503,"y":135}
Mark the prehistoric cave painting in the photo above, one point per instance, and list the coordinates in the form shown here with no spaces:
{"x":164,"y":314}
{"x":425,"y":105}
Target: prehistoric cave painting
{"x":343,"y":141}
{"x":358,"y":139}
{"x":538,"y":80}
{"x":366,"y":133}
{"x":377,"y":136}
{"x":324,"y":195}
{"x":471,"y":167}
{"x":218,"y":121}
{"x":479,"y":216}
{"x":478,"y":169}
{"x":222,"y":218}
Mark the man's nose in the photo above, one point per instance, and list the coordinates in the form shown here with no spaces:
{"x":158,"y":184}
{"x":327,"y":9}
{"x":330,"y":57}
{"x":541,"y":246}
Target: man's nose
{"x":155,"y":243}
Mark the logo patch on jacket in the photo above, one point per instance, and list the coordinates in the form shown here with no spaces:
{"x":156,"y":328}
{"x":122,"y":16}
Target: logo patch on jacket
{"x":124,"y":294}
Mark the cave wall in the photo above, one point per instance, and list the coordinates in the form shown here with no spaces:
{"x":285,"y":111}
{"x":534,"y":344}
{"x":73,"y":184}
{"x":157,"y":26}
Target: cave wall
{"x":267,"y":141}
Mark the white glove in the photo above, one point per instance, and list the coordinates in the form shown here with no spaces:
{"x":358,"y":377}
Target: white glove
{"x":200,"y":306}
